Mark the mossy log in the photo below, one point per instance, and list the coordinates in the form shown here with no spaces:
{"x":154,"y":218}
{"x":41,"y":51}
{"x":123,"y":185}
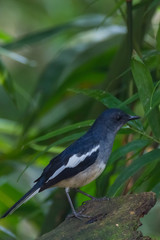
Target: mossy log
{"x":113,"y":219}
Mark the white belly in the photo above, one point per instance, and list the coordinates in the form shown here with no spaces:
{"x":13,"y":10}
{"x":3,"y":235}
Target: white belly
{"x":84,"y":177}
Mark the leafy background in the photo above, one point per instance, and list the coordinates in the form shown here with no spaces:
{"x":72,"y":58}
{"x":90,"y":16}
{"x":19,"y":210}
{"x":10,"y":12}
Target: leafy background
{"x":62,"y":63}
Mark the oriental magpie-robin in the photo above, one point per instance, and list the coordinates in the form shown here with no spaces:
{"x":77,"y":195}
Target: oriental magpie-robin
{"x":81,"y":162}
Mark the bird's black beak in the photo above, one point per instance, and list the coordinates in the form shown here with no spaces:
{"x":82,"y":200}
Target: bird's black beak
{"x":133,"y":117}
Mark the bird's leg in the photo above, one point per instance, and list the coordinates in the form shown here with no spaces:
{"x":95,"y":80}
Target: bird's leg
{"x":90,"y":196}
{"x":86,"y":194}
{"x":77,"y":215}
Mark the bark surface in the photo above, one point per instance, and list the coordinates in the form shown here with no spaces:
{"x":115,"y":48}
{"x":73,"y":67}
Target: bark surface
{"x":114,"y":219}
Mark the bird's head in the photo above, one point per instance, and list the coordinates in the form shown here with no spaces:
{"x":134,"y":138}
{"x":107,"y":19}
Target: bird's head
{"x":113,"y":119}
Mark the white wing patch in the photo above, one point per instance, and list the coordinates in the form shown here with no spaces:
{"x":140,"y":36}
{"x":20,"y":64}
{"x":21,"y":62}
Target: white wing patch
{"x":73,"y":162}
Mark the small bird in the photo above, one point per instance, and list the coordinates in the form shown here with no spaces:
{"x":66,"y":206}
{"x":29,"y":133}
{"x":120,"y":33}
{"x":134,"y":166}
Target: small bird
{"x":81,"y":162}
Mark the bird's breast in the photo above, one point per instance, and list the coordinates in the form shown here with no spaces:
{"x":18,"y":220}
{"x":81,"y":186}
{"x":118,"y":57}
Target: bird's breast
{"x":84,"y":177}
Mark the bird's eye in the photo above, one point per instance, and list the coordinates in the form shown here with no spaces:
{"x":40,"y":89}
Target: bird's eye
{"x":118,"y":117}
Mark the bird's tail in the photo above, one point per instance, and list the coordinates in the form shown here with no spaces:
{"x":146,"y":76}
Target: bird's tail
{"x":35,"y":189}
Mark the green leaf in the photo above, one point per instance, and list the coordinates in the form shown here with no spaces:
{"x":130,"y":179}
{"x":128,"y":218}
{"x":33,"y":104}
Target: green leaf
{"x":62,"y":131}
{"x":62,"y":112}
{"x":104,"y":97}
{"x":9,"y":127}
{"x":156,"y":189}
{"x":148,"y":178}
{"x":132,"y":146}
{"x":40,"y":148}
{"x":111,"y":101}
{"x":55,"y":79}
{"x":71,"y":59}
{"x":35,"y":37}
{"x":132,"y":169}
{"x":6,"y":82}
{"x":78,"y":24}
{"x":158,"y":48}
{"x":155,"y":98}
{"x":117,"y":7}
{"x":143,"y":80}
{"x":5,"y":36}
{"x":6,"y":234}
{"x":158,"y":38}
{"x":17,"y":57}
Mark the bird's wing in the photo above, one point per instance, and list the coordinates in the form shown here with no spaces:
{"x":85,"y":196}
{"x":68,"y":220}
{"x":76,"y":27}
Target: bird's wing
{"x":76,"y":164}
{"x":74,"y":159}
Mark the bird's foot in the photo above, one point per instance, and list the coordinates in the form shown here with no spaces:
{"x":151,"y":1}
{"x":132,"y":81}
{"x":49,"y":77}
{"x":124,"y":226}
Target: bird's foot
{"x":101,"y":199}
{"x":91,"y":197}
{"x":78,"y":215}
{"x":81,"y":216}
{"x":97,"y":200}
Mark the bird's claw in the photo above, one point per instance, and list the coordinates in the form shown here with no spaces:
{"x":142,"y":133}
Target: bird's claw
{"x":78,"y":215}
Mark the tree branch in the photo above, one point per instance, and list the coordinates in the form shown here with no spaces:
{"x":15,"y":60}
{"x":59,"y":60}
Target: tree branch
{"x":114,"y":219}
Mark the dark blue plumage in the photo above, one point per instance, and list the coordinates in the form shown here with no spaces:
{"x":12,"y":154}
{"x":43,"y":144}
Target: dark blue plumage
{"x":83,"y":161}
{"x":70,"y":172}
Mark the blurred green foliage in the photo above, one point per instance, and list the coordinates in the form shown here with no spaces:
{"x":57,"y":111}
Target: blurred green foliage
{"x":61,"y":64}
